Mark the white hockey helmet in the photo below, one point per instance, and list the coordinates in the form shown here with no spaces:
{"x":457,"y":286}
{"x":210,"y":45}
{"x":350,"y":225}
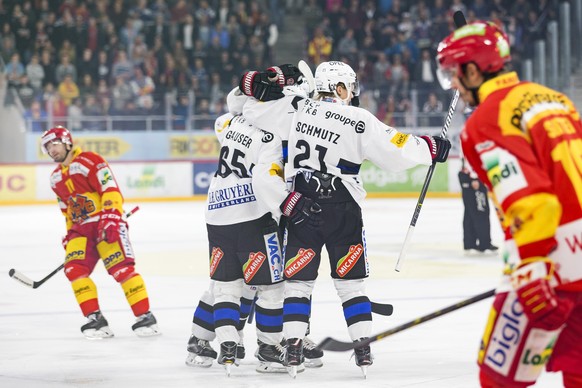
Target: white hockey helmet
{"x":329,"y":74}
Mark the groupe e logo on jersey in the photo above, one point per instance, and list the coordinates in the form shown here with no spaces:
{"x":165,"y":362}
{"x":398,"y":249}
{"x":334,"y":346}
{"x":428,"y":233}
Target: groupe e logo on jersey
{"x":359,"y":126}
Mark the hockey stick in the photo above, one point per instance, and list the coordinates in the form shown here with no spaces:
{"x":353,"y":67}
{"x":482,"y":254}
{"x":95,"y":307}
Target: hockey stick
{"x":340,"y":346}
{"x":385,"y":309}
{"x":460,"y":21}
{"x":22,"y":278}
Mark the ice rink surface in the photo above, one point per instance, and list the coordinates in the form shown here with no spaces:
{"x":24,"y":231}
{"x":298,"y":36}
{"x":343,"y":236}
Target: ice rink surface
{"x":41,"y":344}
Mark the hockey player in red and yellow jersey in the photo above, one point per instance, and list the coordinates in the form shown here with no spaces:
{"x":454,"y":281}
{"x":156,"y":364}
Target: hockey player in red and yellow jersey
{"x":91,"y":202}
{"x":524,"y":140}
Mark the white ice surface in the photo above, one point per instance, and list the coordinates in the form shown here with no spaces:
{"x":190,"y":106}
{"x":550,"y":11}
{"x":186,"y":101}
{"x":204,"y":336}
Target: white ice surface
{"x":41,"y":344}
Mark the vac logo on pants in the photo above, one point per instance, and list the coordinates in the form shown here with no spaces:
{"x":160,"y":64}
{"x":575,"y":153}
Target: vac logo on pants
{"x":297,"y":263}
{"x":252,"y":266}
{"x":346,"y":263}
{"x":215,"y":258}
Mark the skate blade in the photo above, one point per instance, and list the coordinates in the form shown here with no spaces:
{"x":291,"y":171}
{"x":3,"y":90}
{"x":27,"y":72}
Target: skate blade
{"x":228,"y":368}
{"x":364,"y":369}
{"x":147,"y":331}
{"x":197,"y":361}
{"x":313,"y":363}
{"x":270,"y":367}
{"x":293,"y":370}
{"x":93,"y":334}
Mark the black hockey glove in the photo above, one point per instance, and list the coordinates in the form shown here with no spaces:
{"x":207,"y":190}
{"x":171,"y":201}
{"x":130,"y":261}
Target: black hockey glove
{"x":439,"y":147}
{"x":302,"y":210}
{"x":256,"y":84}
{"x":286,"y":74}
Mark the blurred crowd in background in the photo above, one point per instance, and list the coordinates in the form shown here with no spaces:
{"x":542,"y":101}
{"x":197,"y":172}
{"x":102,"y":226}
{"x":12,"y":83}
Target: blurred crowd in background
{"x":73,"y":59}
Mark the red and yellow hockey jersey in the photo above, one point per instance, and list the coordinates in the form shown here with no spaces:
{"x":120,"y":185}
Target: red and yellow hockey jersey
{"x":85,"y":187}
{"x":524,"y":141}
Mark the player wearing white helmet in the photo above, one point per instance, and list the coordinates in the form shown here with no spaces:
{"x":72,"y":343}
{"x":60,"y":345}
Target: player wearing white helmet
{"x":328,"y":140}
{"x":246,"y":262}
{"x":329,"y":75}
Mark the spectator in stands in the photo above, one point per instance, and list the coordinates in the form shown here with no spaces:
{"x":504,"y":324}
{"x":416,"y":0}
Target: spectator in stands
{"x":121,"y":92}
{"x":65,"y":68}
{"x":35,"y":73}
{"x":87,"y":86}
{"x":181,"y":112}
{"x":319,"y":49}
{"x":75,"y":114}
{"x":143,"y":88}
{"x":122,"y":67}
{"x":68,"y":90}
{"x":58,"y":109}
{"x":14,"y":70}
{"x":425,"y":71}
{"x":102,"y":92}
{"x":35,"y":117}
{"x":204,"y":120}
{"x":87,"y":64}
{"x":348,"y":46}
{"x":159,"y":30}
{"x":312,"y":15}
{"x":25,"y":91}
{"x":48,"y":67}
{"x":91,"y":113}
{"x":433,"y":109}
{"x":67,"y":49}
{"x":7,"y":43}
{"x":23,"y":37}
{"x":138,"y":51}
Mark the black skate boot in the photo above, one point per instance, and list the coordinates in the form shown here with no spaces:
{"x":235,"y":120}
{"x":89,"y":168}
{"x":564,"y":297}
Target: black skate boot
{"x":294,"y":356}
{"x":146,"y":325}
{"x":97,"y":326}
{"x":227,"y":355}
{"x":313,"y":355}
{"x":239,"y":353}
{"x":271,"y":358}
{"x":363,"y":357}
{"x":200,"y":353}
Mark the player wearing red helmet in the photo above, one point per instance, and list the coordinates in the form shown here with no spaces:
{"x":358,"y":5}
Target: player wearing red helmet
{"x":91,"y":202}
{"x":524,"y":141}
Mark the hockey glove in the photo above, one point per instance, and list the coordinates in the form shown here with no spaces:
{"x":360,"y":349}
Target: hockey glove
{"x":439,"y":147}
{"x":286,"y":74}
{"x":302,"y":210}
{"x":108,"y":228}
{"x":538,"y":298}
{"x":257,"y":84}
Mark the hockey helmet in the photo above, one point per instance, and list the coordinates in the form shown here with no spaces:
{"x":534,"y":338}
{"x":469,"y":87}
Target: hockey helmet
{"x":329,"y":74}
{"x":56,"y":134}
{"x":482,"y":43}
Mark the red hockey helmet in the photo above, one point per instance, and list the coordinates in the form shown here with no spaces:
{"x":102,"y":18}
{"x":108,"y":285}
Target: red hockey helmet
{"x":482,"y":43}
{"x":56,"y":134}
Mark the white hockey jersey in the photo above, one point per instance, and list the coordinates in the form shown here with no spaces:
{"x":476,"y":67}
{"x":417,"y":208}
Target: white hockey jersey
{"x":248,"y":182}
{"x":335,"y":139}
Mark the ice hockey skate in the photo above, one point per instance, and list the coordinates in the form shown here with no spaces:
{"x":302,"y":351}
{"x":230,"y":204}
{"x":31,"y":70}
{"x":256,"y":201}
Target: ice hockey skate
{"x":294,"y":356}
{"x":239,"y":353}
{"x":363,"y":357}
{"x":227,"y":355}
{"x":97,"y":327}
{"x":312,"y":355}
{"x":146,"y":326}
{"x":200,"y":353}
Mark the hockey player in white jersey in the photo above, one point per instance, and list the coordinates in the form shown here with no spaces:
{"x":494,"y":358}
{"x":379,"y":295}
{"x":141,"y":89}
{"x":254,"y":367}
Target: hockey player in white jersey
{"x":328,"y":140}
{"x":242,"y":213}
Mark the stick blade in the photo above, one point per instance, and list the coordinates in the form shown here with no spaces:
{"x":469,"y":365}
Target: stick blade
{"x":308,"y":74}
{"x":23,"y":279}
{"x":334,"y":345}
{"x":384,"y":309}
